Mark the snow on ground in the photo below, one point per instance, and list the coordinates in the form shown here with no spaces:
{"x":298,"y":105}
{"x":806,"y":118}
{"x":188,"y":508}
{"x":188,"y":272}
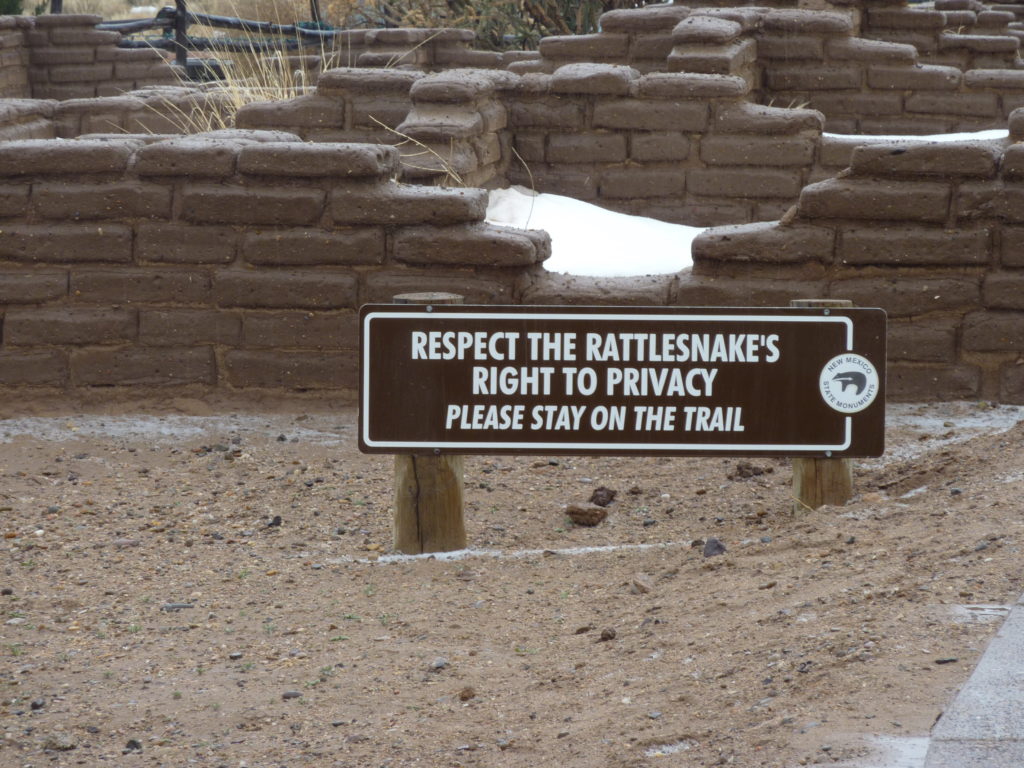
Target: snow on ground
{"x":590,"y":241}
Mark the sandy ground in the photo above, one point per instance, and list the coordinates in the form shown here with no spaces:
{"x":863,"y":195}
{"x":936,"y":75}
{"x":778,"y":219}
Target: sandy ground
{"x":218,"y":590}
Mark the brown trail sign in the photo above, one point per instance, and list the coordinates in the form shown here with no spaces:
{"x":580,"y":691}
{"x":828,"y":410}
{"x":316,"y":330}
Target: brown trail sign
{"x":622,"y":381}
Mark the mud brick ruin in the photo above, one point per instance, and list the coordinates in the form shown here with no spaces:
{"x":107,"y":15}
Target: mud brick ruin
{"x":133,"y":256}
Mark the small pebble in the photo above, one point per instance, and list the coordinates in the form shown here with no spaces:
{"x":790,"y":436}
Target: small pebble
{"x":291,"y":695}
{"x":607,"y":634}
{"x":438,"y":664}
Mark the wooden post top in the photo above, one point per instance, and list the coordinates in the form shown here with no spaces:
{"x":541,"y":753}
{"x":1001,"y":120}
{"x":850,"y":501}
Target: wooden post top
{"x":428,"y":297}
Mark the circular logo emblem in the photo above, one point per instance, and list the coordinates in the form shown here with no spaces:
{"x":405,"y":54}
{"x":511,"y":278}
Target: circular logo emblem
{"x":848,"y":383}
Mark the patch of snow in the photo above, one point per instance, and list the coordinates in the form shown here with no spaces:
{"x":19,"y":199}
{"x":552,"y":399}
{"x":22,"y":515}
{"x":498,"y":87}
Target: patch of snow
{"x":996,"y":133}
{"x":590,"y":241}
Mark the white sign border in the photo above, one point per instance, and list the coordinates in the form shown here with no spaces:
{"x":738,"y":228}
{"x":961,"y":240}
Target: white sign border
{"x":592,"y":447}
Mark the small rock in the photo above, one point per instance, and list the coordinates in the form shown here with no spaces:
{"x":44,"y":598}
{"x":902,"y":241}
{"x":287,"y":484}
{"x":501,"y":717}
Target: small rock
{"x":745,"y":470}
{"x":59,"y":741}
{"x":639,"y":586}
{"x":713,"y":547}
{"x":635,"y":490}
{"x":503,"y":744}
{"x":654,"y":715}
{"x":607,"y":634}
{"x":649,"y":521}
{"x":173,"y":607}
{"x":603,"y":496}
{"x":584,"y":629}
{"x":132,"y":745}
{"x":6,"y":591}
{"x":235,"y":655}
{"x":275,"y":523}
{"x":38,"y":704}
{"x":588,"y":515}
{"x":466,"y":694}
{"x":949,"y":660}
{"x":438,"y":664}
{"x":291,"y":695}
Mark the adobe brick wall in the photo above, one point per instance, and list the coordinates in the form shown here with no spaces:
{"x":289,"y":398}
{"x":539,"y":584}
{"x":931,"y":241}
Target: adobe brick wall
{"x":14,"y":58}
{"x":932,"y":234}
{"x":233,"y":259}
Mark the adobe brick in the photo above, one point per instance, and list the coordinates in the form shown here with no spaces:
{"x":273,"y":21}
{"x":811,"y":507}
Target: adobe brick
{"x":770,"y":121}
{"x":371,"y":111}
{"x":658,"y":145}
{"x":791,"y":48}
{"x":605,"y":79}
{"x":64,"y":55}
{"x":708,"y":30}
{"x":279,"y":369}
{"x":701,"y":290}
{"x":80,"y":73}
{"x":988,"y":331}
{"x":13,"y":200}
{"x":364,"y":80}
{"x":744,"y":183}
{"x":63,"y":91}
{"x":554,"y":112}
{"x":1013,"y":162}
{"x":905,"y":18}
{"x":647,"y":19}
{"x":585,"y":47}
{"x":93,"y":37}
{"x":901,"y":245}
{"x":870,"y":51}
{"x":310,"y":330}
{"x":111,"y":200}
{"x":1004,"y":290}
{"x":402,"y":204}
{"x":580,"y":184}
{"x":267,"y":206}
{"x":756,"y":150}
{"x":909,"y":296}
{"x":561,"y":289}
{"x":383,"y":285}
{"x":363,"y":246}
{"x":1011,"y":246}
{"x":48,"y":21}
{"x":136,"y":366}
{"x":856,"y":104}
{"x":1002,"y":79}
{"x":882,"y":200}
{"x":794,"y":20}
{"x":140,"y":286}
{"x":967,"y":104}
{"x":32,"y":287}
{"x":529,"y":146}
{"x":301,"y":159}
{"x":977,"y":159}
{"x":930,"y":381}
{"x":51,"y":326}
{"x":190,"y":156}
{"x":267,"y":289}
{"x":656,"y":47}
{"x":804,"y":78}
{"x":66,"y":243}
{"x":586,"y":148}
{"x":764,"y":242}
{"x":473,"y":245}
{"x":302,"y":112}
{"x":985,"y":200}
{"x":730,"y":59}
{"x":653,"y":115}
{"x":183,"y":244}
{"x":441,"y":124}
{"x":189,"y":327}
{"x":923,"y":77}
{"x":33,"y":368}
{"x":642,"y":182}
{"x":922,"y":340}
{"x":692,"y":85}
{"x":978,"y":43}
{"x":44,"y":156}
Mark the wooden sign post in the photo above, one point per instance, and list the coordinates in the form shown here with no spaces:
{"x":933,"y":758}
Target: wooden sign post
{"x":817,"y":482}
{"x":428,"y":488}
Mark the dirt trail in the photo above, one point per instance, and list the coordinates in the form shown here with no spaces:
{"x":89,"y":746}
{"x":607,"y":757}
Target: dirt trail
{"x":218,"y":590}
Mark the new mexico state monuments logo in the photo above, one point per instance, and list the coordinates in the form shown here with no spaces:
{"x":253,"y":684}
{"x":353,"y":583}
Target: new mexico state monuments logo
{"x":848,"y":383}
